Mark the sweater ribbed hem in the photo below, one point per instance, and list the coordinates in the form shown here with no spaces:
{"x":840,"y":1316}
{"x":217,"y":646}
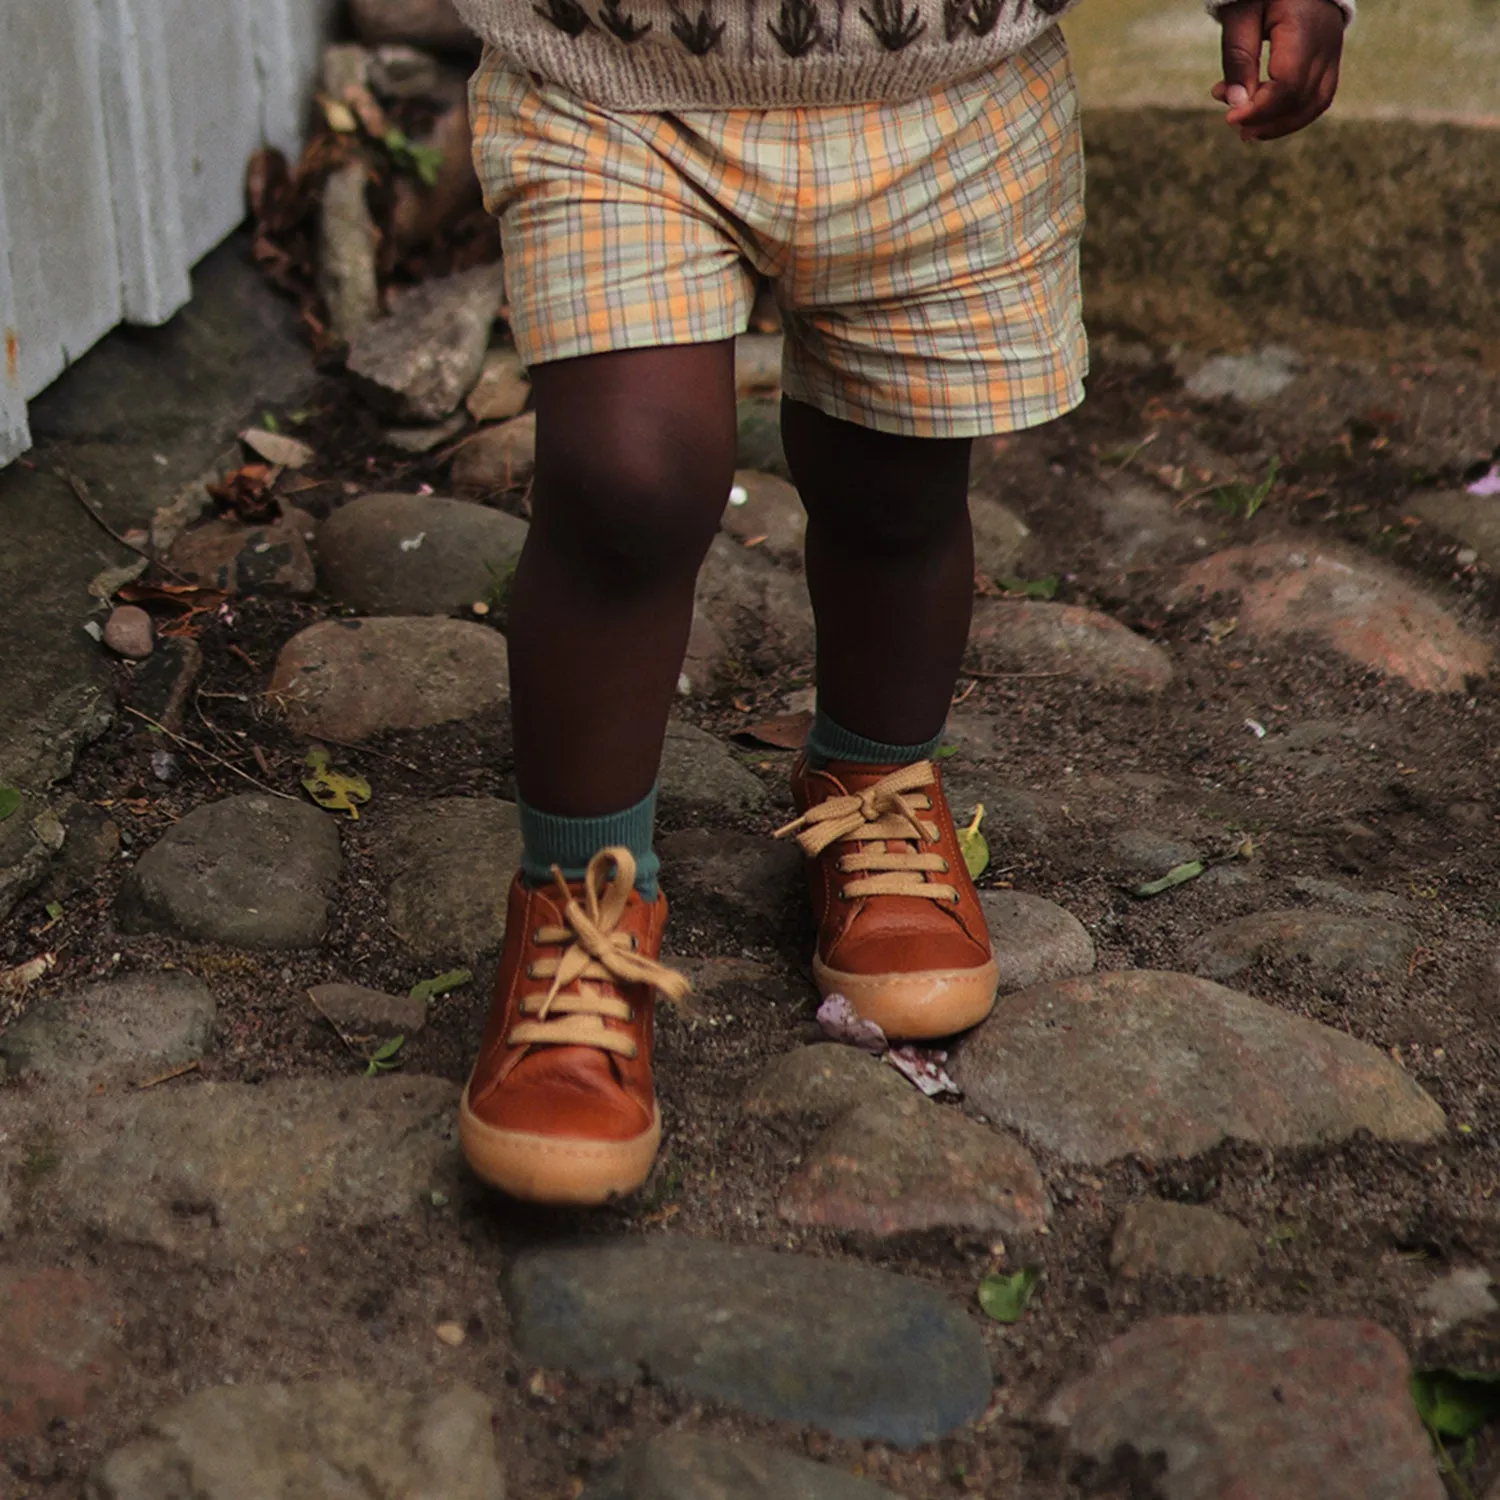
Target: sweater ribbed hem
{"x":828,"y":740}
{"x":570,"y":843}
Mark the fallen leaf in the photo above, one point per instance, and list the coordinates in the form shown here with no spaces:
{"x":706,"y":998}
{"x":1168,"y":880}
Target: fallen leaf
{"x":277,"y":448}
{"x":384,"y":1057}
{"x":1177,"y":875}
{"x":973,"y":846}
{"x":1487,"y":484}
{"x":925,"y":1069}
{"x":54,"y":910}
{"x":1004,"y":1298}
{"x":337,"y":791}
{"x":842,"y":1023}
{"x":945,"y":752}
{"x":18,"y":980}
{"x":1455,"y":1403}
{"x":1032,"y":588}
{"x":339,"y":116}
{"x":785,"y":732}
{"x":246,"y":492}
{"x":10,"y":800}
{"x":427,"y":990}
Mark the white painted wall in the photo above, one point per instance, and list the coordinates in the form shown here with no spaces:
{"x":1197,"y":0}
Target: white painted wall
{"x":125,"y":126}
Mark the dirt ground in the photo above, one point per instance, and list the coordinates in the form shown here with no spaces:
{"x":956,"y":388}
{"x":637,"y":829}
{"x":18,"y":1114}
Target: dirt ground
{"x":1394,"y":793}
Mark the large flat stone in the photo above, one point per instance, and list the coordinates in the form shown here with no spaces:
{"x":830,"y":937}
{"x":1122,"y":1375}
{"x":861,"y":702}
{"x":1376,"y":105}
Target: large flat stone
{"x":1160,"y":1065}
{"x":1255,"y":1407}
{"x":1153,"y":1237}
{"x":767,"y":513}
{"x":454,"y":860}
{"x":349,"y":679}
{"x":904,"y":1164}
{"x":749,"y":616}
{"x":699,"y":774}
{"x":417,"y":554}
{"x":1346,"y":601}
{"x":859,"y":1352}
{"x":252,"y":870}
{"x":1068,"y":640}
{"x":1034,"y":940}
{"x":121,"y":1029}
{"x":1326,"y":942}
{"x":822,"y":1083}
{"x":329,"y":1439}
{"x":228,"y":1171}
{"x":682,"y":1466}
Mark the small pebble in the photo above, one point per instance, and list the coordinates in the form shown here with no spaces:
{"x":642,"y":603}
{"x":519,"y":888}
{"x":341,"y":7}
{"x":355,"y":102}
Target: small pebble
{"x":452,"y":1334}
{"x":128,"y":631}
{"x":165,"y":766}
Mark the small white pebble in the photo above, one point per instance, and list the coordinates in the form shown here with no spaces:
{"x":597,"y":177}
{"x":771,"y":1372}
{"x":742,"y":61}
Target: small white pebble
{"x":684,"y":685}
{"x":452,"y":1334}
{"x":739,"y":495}
{"x":1256,"y":728}
{"x":480,"y":607}
{"x":1467,"y":557}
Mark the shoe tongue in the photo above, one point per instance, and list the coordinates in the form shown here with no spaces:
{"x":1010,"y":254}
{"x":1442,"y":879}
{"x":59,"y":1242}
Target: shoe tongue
{"x":855,"y":776}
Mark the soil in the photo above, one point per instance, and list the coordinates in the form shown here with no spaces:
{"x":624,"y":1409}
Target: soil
{"x":1404,"y":804}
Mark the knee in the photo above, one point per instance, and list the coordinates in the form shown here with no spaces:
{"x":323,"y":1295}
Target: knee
{"x":633,"y":510}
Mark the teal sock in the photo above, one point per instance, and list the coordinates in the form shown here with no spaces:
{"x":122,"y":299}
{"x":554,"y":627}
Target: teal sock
{"x":829,"y":740}
{"x":570,"y":843}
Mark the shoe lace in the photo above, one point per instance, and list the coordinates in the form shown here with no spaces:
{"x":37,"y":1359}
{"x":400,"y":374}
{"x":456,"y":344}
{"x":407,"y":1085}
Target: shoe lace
{"x":596,"y":960}
{"x":885,"y":812}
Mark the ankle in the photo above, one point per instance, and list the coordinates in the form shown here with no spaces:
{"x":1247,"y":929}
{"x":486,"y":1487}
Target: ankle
{"x":551,"y":840}
{"x":828,"y":740}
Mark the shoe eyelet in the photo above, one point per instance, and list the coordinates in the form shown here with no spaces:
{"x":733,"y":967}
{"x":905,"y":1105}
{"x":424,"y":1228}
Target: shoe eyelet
{"x":635,"y":943}
{"x":946,"y":868}
{"x":630,"y":1017}
{"x":531,"y":971}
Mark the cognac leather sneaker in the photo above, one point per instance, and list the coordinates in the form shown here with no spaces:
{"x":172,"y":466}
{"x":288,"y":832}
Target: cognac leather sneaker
{"x":560,"y":1107}
{"x":900,"y":931}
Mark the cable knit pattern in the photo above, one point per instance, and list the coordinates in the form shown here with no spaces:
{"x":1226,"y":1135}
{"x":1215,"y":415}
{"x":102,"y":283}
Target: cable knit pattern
{"x":762,"y":54}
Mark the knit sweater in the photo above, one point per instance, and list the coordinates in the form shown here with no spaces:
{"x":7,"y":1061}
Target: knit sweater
{"x":762,"y":54}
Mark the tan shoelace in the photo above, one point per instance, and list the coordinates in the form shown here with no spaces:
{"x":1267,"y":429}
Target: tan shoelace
{"x":573,"y":1011}
{"x":884,"y":813}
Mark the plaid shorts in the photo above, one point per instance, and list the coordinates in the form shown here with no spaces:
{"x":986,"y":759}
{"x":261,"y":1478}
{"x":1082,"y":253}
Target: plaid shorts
{"x":924,"y":254}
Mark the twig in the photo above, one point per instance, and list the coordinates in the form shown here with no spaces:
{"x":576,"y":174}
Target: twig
{"x":204,"y":750}
{"x":81,"y":494}
{"x":151,"y":1083}
{"x":338,"y":1030}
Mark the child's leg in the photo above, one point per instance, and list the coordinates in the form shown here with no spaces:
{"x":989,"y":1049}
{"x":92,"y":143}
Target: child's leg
{"x":890,"y":566}
{"x":635,"y":456}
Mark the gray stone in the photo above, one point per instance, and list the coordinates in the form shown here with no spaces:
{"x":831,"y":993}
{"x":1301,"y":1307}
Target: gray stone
{"x":424,"y":439}
{"x":1327,"y":942}
{"x":822,"y":1083}
{"x":758,"y":878}
{"x":1010,"y":811}
{"x":349,"y":679}
{"x":422,"y":23}
{"x":271,"y":559}
{"x":348,"y":250}
{"x":1161,"y":1065}
{"x":1150,"y":851}
{"x":251,"y":870}
{"x":1256,"y":1407}
{"x":905,"y":1164}
{"x":757,"y":364}
{"x":326,"y":1438}
{"x":749,"y":616}
{"x":128,"y":632}
{"x":1141,"y":526}
{"x":503,"y":389}
{"x":858,"y":1352}
{"x":699,"y":774}
{"x":1180,"y":1239}
{"x":354,"y":1008}
{"x":1462,"y":1296}
{"x":418,"y":363}
{"x":770,"y":516}
{"x":496,"y":458}
{"x":121,"y":1029}
{"x":1065,"y":639}
{"x":417,"y":554}
{"x":1034,"y":940}
{"x":1334,"y":894}
{"x":400,"y":71}
{"x":91,"y":845}
{"x":456,"y":858}
{"x":1249,"y":378}
{"x":1003,"y":544}
{"x":29,"y":838}
{"x":682,"y":1466}
{"x":758,"y":444}
{"x":232,"y":1171}
{"x":1473,"y":519}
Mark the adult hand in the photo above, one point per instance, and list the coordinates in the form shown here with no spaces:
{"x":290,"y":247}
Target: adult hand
{"x":1307,"y":40}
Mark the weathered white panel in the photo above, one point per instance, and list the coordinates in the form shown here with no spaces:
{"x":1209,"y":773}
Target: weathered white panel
{"x":289,"y":38}
{"x":137,"y":98}
{"x":15,"y":436}
{"x":215,"y":112}
{"x":54,"y":174}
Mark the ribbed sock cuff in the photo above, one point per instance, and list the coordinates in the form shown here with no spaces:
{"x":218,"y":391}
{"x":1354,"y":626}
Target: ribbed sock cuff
{"x":570,"y":843}
{"x":829,"y":740}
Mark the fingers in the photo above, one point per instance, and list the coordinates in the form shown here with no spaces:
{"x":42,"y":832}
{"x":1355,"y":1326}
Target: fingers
{"x":1306,"y":38}
{"x":1243,"y":30}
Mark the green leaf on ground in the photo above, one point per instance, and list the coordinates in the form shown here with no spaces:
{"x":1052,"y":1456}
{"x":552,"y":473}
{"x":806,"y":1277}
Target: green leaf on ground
{"x":1004,"y":1298}
{"x":945,"y":752}
{"x":54,"y":910}
{"x":1032,"y":588}
{"x":1242,"y":500}
{"x":973,"y":846}
{"x":427,"y":990}
{"x":10,"y":800}
{"x":337,"y":791}
{"x":1455,"y":1403}
{"x":424,"y":161}
{"x":1177,"y":875}
{"x":384,"y":1057}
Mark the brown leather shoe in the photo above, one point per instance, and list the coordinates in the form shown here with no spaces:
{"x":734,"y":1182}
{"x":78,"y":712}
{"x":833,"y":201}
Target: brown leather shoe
{"x":560,"y":1107}
{"x":900,"y":931}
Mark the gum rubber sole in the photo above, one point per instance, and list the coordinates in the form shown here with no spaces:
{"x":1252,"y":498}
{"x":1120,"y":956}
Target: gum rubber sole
{"x":916,"y":1006}
{"x":555,"y":1168}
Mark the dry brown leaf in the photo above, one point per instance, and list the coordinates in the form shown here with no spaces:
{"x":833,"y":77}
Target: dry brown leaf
{"x":785,"y":732}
